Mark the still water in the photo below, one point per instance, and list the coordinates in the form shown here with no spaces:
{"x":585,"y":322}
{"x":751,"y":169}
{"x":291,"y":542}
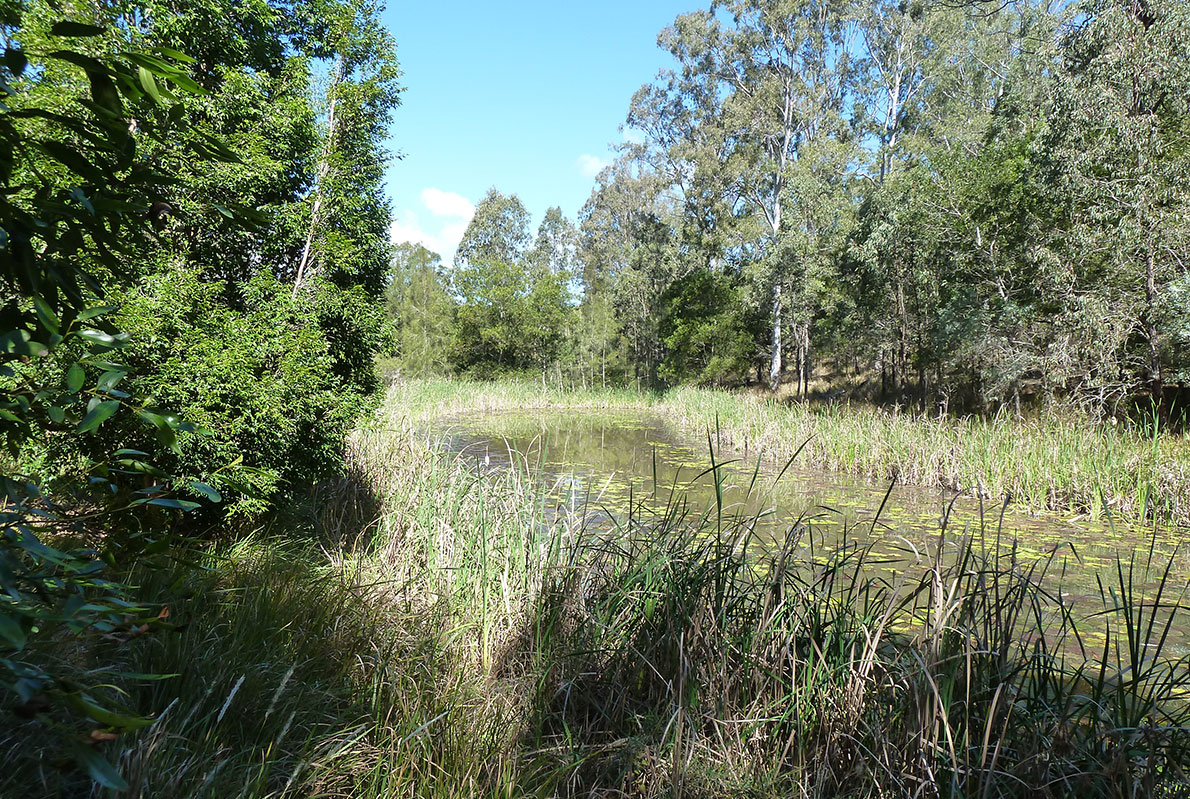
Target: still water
{"x":601,"y":459}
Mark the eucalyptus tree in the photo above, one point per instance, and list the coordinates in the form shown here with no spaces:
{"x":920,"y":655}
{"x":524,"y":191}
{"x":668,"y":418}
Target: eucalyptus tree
{"x":555,"y":250}
{"x":513,"y":309}
{"x":628,"y":257}
{"x":1117,"y":145}
{"x":759,"y":90}
{"x":949,"y":215}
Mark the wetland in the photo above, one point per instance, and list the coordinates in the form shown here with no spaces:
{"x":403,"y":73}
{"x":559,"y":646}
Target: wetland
{"x":610,"y":462}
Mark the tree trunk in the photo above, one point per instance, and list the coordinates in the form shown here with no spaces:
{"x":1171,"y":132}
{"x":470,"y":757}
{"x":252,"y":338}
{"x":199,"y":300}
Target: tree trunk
{"x":324,"y":168}
{"x":1156,"y":376}
{"x":775,"y":357}
{"x":804,"y":347}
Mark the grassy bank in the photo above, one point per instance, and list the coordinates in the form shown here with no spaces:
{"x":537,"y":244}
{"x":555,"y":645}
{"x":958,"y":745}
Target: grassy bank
{"x":1058,"y":461}
{"x":449,"y":634}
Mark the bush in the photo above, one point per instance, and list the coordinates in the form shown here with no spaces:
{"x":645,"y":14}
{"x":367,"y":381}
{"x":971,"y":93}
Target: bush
{"x":256,"y":378}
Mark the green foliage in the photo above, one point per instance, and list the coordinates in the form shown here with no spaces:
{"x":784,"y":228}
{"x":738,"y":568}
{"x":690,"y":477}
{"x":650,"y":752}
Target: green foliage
{"x":419,"y":305}
{"x":146,"y":267}
{"x":79,"y":203}
{"x":257,"y":374}
{"x":704,"y":330}
{"x":968,"y":207}
{"x":508,"y":320}
{"x":301,"y":206}
{"x":513,"y":308}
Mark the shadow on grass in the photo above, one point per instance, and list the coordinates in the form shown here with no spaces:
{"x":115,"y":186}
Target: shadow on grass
{"x":670,"y":663}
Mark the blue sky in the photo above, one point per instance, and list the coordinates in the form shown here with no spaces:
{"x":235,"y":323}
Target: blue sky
{"x":523,"y":96}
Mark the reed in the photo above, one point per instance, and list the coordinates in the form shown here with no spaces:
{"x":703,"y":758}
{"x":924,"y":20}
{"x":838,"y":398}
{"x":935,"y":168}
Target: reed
{"x":475,"y":637}
{"x":1061,"y":460}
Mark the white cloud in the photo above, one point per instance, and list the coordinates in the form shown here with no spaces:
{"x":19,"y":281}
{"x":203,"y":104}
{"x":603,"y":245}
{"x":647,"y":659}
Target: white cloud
{"x":445,"y":203}
{"x":590,"y":165}
{"x":406,"y":228}
{"x":438,"y":225}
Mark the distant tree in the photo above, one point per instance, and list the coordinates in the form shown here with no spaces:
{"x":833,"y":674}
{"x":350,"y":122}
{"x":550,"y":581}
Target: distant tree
{"x":513,"y":310}
{"x":498,"y":231}
{"x":630,"y":251}
{"x":756,"y":113}
{"x":555,"y":250}
{"x":421,"y":309}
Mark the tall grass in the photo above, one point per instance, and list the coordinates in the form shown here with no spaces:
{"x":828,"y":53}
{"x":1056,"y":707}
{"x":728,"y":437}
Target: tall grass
{"x":473,"y":639}
{"x":1060,"y":460}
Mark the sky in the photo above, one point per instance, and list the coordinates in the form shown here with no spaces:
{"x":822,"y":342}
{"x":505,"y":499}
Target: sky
{"x":526,"y":97}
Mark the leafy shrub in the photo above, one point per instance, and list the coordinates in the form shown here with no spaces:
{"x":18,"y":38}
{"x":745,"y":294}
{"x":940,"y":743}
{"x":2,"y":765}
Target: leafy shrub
{"x":704,"y":329}
{"x":257,"y":379}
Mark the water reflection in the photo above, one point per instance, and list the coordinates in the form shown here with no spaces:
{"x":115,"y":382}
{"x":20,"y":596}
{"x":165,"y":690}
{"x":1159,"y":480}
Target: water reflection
{"x":601,"y":459}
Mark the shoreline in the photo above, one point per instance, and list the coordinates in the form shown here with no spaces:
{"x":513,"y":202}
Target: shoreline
{"x":1057,"y":462}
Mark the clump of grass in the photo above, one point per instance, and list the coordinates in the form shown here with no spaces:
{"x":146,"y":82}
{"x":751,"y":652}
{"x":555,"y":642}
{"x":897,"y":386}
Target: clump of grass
{"x":691,"y":665}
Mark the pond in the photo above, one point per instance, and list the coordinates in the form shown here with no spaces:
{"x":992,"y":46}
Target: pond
{"x":601,"y":459}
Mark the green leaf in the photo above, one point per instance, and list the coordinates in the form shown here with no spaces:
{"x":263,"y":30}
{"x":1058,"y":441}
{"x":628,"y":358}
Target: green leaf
{"x":98,"y":768}
{"x":96,"y":310}
{"x":106,"y":339}
{"x":207,"y":491}
{"x":109,"y":379}
{"x":83,"y":704}
{"x":45,"y":314}
{"x":165,"y":431}
{"x":56,"y":414}
{"x":75,"y":377}
{"x":175,"y":55}
{"x":12,"y":632}
{"x":149,"y":83}
{"x":169,"y":502}
{"x":97,"y":416}
{"x":68,"y":28}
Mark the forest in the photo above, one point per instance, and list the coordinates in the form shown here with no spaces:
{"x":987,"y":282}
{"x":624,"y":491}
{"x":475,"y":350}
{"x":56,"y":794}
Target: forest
{"x":232,"y":563}
{"x":958,"y":205}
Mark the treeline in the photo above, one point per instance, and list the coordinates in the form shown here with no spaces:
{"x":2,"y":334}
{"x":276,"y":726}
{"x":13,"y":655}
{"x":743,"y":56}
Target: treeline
{"x":230,"y":224}
{"x":961,"y":204}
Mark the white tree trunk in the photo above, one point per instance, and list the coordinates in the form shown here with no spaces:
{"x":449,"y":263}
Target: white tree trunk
{"x":323,"y":169}
{"x":775,"y":363}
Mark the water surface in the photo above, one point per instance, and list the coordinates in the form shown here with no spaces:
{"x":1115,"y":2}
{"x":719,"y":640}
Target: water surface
{"x":604,"y":459}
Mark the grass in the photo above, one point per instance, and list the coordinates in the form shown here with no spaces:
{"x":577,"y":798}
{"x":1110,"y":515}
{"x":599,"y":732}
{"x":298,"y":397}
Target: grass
{"x":1059,"y":461}
{"x":451,"y":633}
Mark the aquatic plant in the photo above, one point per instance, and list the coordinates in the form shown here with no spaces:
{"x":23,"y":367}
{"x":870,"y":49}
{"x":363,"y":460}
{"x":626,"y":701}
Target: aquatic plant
{"x":1057,"y":461}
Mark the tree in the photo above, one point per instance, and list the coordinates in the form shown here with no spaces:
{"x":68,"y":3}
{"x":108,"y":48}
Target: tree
{"x":419,"y":304}
{"x":1117,"y":149}
{"x":79,"y":207}
{"x":233,"y":234}
{"x":513,"y":310}
{"x":704,"y":330}
{"x":746,"y":114}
